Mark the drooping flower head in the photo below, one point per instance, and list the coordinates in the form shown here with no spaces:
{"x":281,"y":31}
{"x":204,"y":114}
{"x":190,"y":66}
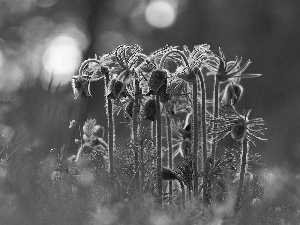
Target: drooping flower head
{"x":228,"y":70}
{"x":81,"y":84}
{"x":116,"y":88}
{"x":199,"y":57}
{"x":157,"y":79}
{"x":232,"y":94}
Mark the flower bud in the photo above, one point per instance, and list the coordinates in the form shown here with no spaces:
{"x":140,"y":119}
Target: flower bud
{"x":238,"y":131}
{"x":232,"y":94}
{"x":116,"y":88}
{"x":157,"y":79}
{"x":81,"y":84}
{"x":149,"y":110}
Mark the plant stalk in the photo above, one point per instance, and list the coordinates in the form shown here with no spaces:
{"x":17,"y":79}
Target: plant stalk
{"x":244,"y":148}
{"x":195,"y":136}
{"x":204,"y":134}
{"x":158,"y":147}
{"x":111,"y":135}
{"x":135,"y":135}
{"x":170,"y":153}
{"x":142,"y":167}
{"x":215,"y":116}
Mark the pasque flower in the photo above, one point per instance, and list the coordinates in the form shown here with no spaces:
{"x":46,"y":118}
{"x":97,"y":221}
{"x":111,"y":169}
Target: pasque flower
{"x":228,"y":70}
{"x":232,"y":94}
{"x":239,"y":127}
{"x":81,"y":84}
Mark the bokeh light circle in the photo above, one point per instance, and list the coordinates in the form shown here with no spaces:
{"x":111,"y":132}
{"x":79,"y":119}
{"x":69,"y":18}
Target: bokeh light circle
{"x":160,"y":14}
{"x":61,"y":59}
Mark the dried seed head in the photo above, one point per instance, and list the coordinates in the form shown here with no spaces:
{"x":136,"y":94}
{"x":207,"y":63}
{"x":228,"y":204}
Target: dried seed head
{"x":232,"y":94}
{"x":149,"y":110}
{"x":81,"y":84}
{"x":157,"y":79}
{"x":238,"y":131}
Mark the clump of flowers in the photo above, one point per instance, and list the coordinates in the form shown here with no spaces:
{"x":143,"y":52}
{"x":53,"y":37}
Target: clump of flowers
{"x":146,"y":90}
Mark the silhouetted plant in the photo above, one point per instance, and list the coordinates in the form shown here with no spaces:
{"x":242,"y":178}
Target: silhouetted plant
{"x":144,"y":88}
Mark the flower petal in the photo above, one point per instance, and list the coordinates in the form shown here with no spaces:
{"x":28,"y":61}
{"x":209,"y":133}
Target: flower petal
{"x":248,"y":75}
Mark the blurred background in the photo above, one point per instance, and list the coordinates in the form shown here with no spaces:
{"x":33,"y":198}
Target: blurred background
{"x":43,"y":42}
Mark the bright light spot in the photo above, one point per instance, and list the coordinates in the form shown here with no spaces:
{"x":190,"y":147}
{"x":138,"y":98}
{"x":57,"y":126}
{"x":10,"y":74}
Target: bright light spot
{"x":61,"y":59}
{"x":160,"y":14}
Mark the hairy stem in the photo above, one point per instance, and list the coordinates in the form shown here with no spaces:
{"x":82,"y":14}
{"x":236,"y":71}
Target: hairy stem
{"x":142,"y":167}
{"x":215,"y":116}
{"x":195,"y":136}
{"x":204,"y":133}
{"x":162,"y":61}
{"x":170,"y":155}
{"x":182,"y":192}
{"x":85,"y":63}
{"x":135,"y":135}
{"x":111,"y":130}
{"x":244,"y":148}
{"x":158,"y":147}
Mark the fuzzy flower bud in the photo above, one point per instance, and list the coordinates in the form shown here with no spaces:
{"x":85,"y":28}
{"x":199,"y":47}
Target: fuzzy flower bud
{"x":157,"y":79}
{"x":238,"y":131}
{"x":232,"y":94}
{"x":116,"y":88}
{"x":81,"y":84}
{"x":149,"y":110}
